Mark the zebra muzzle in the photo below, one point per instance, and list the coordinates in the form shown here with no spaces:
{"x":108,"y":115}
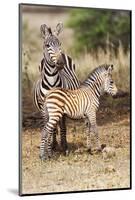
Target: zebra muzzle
{"x":60,"y":62}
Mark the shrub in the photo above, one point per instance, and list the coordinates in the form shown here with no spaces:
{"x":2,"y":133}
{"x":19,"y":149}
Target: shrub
{"x":92,"y":27}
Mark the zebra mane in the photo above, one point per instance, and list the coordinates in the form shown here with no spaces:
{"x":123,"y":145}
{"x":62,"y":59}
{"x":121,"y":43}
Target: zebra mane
{"x":97,"y":71}
{"x":100,"y":68}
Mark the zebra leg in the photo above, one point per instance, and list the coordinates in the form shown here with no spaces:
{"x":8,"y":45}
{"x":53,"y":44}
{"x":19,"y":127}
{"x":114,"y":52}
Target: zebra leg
{"x":50,"y":127}
{"x":43,"y":150}
{"x":46,"y":142}
{"x":44,"y":135}
{"x":49,"y":141}
{"x":63,"y":135}
{"x":87,"y":123}
{"x":44,"y":113}
{"x":94,"y":129}
{"x":54,"y":142}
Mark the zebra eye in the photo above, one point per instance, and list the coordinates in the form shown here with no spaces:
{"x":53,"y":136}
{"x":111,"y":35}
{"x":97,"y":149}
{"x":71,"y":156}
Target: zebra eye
{"x":111,"y":82}
{"x":47,"y":45}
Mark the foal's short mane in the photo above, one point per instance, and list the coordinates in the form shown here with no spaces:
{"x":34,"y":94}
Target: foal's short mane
{"x":102,"y":67}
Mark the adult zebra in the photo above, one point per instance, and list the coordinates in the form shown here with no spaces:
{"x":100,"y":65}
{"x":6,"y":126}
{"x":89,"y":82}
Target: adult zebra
{"x":57,"y":70}
{"x":79,"y":103}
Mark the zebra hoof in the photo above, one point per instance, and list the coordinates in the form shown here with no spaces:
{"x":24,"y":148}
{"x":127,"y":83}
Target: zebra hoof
{"x":98,"y":150}
{"x":89,"y":151}
{"x":42,"y":157}
{"x":67,"y":152}
{"x":55,"y":146}
{"x":103,"y":146}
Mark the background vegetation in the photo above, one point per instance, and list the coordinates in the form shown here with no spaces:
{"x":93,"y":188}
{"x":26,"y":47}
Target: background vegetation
{"x":94,"y":28}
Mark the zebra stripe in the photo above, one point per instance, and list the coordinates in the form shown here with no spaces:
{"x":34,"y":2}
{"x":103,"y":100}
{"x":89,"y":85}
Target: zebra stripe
{"x":65,"y":78}
{"x":79,"y":103}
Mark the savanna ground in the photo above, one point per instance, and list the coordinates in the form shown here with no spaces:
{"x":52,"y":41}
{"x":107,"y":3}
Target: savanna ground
{"x":79,"y":170}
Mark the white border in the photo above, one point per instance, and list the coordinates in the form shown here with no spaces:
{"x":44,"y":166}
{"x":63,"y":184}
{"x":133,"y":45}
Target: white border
{"x":9,"y":97}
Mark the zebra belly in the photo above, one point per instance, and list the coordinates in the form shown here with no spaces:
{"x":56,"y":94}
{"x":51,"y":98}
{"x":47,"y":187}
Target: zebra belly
{"x":76,"y":115}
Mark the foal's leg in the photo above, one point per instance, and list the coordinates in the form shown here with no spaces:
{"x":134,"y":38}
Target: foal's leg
{"x":44,"y":135}
{"x":44,"y":114}
{"x":43,"y":151}
{"x":50,"y":127}
{"x":87,"y":123}
{"x":93,"y":127}
{"x":46,"y":141}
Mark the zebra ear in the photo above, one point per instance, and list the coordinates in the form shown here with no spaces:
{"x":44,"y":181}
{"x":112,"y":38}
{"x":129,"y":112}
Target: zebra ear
{"x":110,"y":68}
{"x":45,"y":31}
{"x":58,"y":28}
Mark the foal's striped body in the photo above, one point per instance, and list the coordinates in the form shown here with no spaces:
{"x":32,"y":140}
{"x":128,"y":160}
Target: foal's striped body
{"x":80,"y":103}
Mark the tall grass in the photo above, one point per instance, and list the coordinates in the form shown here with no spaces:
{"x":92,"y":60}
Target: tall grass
{"x":86,"y":62}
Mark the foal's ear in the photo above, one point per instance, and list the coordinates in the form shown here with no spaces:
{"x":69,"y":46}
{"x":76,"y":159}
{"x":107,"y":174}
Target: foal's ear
{"x":45,"y":31}
{"x":58,"y":29}
{"x":110,"y":69}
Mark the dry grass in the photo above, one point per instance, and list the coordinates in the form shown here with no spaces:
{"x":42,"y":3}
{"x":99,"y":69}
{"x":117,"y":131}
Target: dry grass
{"x":79,"y":170}
{"x":121,"y":61}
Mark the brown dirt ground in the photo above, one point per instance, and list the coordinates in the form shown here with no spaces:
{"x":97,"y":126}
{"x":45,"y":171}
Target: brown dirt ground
{"x":79,"y":170}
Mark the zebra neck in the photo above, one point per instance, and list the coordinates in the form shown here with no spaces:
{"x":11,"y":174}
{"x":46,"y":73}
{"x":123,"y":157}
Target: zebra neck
{"x":50,"y":76}
{"x":94,"y":86}
{"x":49,"y":68}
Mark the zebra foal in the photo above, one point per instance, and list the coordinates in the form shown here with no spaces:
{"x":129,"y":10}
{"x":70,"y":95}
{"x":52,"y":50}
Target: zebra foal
{"x":80,"y":103}
{"x":56,"y":70}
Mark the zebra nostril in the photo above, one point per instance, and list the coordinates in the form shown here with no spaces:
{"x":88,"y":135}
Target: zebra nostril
{"x":111,"y":82}
{"x":60,"y":60}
